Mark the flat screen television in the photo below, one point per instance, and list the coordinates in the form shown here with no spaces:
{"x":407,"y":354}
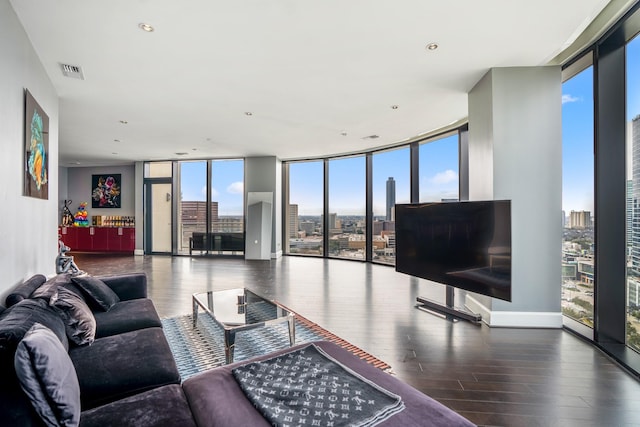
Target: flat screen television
{"x":462,"y":244}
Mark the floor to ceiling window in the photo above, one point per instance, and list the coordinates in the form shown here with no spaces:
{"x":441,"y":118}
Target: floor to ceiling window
{"x":304,"y":234}
{"x":210,"y":212}
{"x":390,"y":186}
{"x":227,"y":206}
{"x":439,"y":170}
{"x":347,"y":208}
{"x":633,"y":192}
{"x":192,"y":206}
{"x":578,"y":247}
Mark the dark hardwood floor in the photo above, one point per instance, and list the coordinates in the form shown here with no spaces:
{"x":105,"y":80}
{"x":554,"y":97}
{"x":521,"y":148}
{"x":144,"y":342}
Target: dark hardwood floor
{"x":492,"y":376}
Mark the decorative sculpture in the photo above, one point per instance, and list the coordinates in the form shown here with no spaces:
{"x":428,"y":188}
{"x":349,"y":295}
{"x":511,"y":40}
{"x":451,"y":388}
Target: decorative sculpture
{"x":64,"y":262}
{"x":67,"y":216}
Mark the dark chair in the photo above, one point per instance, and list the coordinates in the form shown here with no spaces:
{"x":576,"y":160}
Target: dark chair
{"x":197,"y":242}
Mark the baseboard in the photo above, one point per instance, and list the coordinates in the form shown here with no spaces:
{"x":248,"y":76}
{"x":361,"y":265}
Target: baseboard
{"x":276,"y":255}
{"x":515,"y":319}
{"x":138,"y":252}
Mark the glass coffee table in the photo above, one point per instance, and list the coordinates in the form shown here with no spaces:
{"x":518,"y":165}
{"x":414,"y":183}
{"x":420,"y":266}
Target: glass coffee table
{"x":240,"y":309}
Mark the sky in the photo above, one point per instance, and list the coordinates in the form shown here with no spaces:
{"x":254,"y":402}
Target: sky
{"x":227,"y":184}
{"x":438,"y":163}
{"x":578,"y":134}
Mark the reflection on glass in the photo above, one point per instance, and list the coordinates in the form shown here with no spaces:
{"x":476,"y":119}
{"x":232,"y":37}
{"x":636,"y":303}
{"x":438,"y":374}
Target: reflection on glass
{"x":633,"y":194}
{"x":306,"y":200}
{"x":347,"y":207}
{"x":439,"y":177}
{"x":390,"y":186}
{"x":578,"y":249}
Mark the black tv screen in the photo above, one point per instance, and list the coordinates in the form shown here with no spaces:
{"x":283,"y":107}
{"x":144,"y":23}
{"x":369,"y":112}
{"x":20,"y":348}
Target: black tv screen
{"x":462,"y":244}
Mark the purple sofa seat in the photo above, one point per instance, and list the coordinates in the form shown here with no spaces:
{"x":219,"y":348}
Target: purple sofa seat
{"x":216,"y":400}
{"x":160,"y":407}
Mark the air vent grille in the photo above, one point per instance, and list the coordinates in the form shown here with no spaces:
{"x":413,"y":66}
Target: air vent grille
{"x":72,"y":71}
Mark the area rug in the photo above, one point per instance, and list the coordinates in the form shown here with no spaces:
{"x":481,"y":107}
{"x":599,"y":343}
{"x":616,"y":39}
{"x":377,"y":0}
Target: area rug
{"x":201,"y":348}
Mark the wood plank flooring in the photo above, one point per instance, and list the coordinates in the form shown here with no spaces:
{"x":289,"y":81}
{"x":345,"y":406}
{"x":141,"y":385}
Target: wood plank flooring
{"x":492,"y":376}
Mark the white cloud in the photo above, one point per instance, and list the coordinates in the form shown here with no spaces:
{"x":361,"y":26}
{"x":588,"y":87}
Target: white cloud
{"x":444,"y":177}
{"x":569,"y":98}
{"x":236,"y":188}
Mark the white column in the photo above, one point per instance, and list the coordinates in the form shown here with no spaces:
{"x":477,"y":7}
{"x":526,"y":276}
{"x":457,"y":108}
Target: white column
{"x":515,"y":152}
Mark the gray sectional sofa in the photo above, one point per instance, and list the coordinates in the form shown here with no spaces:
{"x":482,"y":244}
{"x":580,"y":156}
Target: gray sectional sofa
{"x":124,"y":371}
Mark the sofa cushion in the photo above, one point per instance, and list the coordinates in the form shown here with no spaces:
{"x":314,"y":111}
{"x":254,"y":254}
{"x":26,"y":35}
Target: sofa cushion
{"x":121,"y":365}
{"x":162,"y":406}
{"x":49,"y":288}
{"x":16,"y":320}
{"x":48,"y":377}
{"x":99,"y":295}
{"x":78,"y":318}
{"x":127,"y":316}
{"x":25,"y":289}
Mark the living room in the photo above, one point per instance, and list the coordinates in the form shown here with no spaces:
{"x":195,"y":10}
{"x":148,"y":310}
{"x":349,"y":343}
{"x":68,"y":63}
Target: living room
{"x":504,"y":162}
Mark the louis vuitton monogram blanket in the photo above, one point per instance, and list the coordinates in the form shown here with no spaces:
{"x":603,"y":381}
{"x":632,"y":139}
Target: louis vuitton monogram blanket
{"x":308,"y":387}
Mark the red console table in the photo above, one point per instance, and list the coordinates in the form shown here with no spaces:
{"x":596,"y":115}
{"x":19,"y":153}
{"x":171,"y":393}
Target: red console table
{"x":99,"y":239}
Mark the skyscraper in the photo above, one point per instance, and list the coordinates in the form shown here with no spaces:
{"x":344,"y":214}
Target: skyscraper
{"x":635,"y":176}
{"x":391,"y":198}
{"x":294,"y":222}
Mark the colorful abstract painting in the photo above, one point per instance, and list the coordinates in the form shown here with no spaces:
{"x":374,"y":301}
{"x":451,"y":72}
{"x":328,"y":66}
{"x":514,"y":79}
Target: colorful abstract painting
{"x":36,"y":175}
{"x":105,"y":191}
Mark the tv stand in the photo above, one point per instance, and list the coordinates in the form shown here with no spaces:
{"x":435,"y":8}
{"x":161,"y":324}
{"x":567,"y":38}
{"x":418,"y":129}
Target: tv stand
{"x":449,"y":309}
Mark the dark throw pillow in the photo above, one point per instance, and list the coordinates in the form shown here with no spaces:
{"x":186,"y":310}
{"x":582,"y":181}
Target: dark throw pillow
{"x":50,"y":287}
{"x":18,"y":319}
{"x":79,"y":321}
{"x":48,"y":378}
{"x":100,"y":296}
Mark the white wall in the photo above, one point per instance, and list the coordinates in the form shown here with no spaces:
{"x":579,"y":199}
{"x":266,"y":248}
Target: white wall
{"x":515,"y":130}
{"x":79,"y":189}
{"x":29,"y":226}
{"x":264,"y":174}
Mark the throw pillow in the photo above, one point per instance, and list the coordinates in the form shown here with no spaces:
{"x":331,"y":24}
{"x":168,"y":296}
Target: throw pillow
{"x":100,"y":296}
{"x":48,"y":378}
{"x":16,"y":321}
{"x":48,"y":289}
{"x":78,"y":318}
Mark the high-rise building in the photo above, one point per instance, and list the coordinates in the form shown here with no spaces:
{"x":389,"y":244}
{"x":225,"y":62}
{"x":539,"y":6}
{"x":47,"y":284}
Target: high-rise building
{"x":580,"y":219}
{"x":391,"y":198}
{"x":294,"y":222}
{"x":194,"y":213}
{"x":635,"y":200}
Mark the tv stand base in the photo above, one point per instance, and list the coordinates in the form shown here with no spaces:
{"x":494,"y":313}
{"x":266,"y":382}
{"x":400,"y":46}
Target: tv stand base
{"x":448,"y":310}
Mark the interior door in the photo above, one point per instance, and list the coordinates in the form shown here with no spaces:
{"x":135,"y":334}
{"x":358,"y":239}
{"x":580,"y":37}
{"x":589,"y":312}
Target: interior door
{"x":160,"y":196}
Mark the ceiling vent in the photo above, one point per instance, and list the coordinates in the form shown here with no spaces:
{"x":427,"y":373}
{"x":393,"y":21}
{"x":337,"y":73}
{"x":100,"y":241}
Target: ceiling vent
{"x":72,"y":71}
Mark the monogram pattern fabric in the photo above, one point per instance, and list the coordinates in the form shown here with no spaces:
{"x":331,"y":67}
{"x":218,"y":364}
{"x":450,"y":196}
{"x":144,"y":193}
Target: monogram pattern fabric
{"x":308,"y":387}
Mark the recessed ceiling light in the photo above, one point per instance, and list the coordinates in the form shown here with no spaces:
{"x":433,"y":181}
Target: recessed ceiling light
{"x":181,"y":154}
{"x":248,"y":113}
{"x":116,"y":140}
{"x":394,"y":107}
{"x":114,"y":153}
{"x":432,"y":46}
{"x":124,"y":122}
{"x":145,"y":27}
{"x":371,"y":137}
{"x":343,"y":133}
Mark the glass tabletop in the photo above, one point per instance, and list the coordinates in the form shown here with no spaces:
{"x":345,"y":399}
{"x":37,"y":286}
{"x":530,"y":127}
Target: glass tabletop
{"x":239,"y":307}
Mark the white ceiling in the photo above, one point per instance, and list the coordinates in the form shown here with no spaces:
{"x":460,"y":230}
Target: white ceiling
{"x":317,"y":76}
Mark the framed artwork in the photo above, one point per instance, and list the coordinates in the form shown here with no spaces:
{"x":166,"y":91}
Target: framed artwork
{"x":36,"y":149}
{"x":105,"y":191}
